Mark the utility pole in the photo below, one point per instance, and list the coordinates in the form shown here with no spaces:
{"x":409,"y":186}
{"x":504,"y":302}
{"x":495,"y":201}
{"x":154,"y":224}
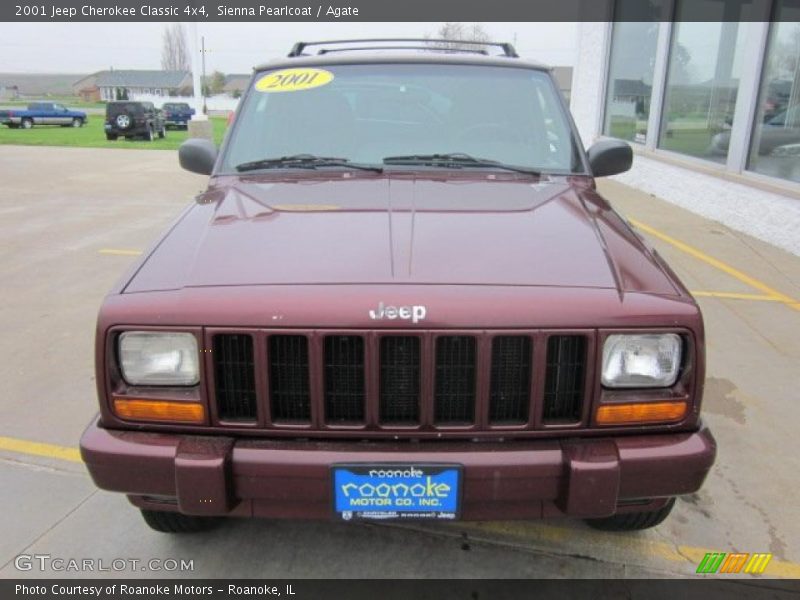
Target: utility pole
{"x":203,"y":80}
{"x":199,"y":126}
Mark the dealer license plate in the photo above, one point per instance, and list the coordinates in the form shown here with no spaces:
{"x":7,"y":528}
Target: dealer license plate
{"x":406,"y":491}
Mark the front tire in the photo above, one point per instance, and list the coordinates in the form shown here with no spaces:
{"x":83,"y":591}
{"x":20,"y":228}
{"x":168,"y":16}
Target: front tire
{"x":162,"y":132}
{"x":148,"y":136}
{"x":633,"y":521}
{"x":26,"y":123}
{"x":172,"y":522}
{"x":77,"y":122}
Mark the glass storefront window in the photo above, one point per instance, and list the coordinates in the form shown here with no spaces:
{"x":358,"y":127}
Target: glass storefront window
{"x":630,"y":80}
{"x":703,"y":80}
{"x":775,"y":142}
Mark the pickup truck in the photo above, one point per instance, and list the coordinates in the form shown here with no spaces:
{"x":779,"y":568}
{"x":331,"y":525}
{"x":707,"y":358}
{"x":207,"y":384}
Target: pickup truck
{"x":177,"y":114}
{"x":42,"y":113}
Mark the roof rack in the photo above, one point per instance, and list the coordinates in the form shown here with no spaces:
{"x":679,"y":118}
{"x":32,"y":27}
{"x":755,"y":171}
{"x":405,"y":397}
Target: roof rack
{"x":508,"y":49}
{"x":428,"y":48}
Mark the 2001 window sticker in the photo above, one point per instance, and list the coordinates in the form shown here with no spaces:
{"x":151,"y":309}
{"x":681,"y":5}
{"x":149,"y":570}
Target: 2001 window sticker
{"x":293,"y":80}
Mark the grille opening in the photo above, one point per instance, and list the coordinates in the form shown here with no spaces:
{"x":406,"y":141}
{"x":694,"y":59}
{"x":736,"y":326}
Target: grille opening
{"x":510,"y":381}
{"x":234,"y":377}
{"x":400,"y":379}
{"x":564,"y":381}
{"x":455,"y":379}
{"x":344,"y":379}
{"x":290,"y":397}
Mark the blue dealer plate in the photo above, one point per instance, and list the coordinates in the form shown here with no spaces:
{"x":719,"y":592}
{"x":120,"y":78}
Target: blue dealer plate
{"x":396,"y":491}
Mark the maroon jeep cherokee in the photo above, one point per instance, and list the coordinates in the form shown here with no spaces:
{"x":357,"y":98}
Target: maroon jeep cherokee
{"x":401,"y":296}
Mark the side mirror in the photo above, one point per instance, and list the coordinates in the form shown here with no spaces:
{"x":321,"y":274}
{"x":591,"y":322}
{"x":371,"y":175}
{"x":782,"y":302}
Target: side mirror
{"x":609,"y":157}
{"x":198,"y":155}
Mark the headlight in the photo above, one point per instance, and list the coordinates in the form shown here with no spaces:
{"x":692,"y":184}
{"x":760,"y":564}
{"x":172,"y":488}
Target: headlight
{"x":151,"y":358}
{"x":641,"y":361}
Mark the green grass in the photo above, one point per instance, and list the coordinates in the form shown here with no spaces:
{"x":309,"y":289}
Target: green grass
{"x":92,"y":135}
{"x":688,"y":141}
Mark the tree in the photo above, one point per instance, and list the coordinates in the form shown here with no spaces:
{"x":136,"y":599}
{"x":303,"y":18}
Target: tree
{"x":461,"y":31}
{"x":216,"y":83}
{"x":174,"y":55}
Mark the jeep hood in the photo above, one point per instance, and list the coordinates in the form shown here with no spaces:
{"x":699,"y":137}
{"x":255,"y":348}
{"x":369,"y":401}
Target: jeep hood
{"x":339,"y":229}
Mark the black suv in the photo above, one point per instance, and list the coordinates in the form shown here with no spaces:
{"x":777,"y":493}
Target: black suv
{"x":134,"y":119}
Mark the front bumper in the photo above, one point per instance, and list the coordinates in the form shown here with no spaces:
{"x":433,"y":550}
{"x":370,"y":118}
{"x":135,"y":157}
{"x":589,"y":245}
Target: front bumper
{"x":204,"y":475}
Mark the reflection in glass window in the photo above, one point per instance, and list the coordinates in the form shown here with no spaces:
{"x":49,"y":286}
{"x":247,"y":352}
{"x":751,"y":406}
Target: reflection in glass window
{"x":630,"y":80}
{"x":703,"y":80}
{"x":775,"y":145}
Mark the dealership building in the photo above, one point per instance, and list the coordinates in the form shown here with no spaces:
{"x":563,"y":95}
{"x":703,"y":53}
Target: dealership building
{"x":711,"y":107}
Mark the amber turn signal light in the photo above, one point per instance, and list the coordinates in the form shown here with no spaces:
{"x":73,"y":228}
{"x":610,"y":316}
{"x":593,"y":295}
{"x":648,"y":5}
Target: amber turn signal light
{"x":640,"y":412}
{"x":159,"y":410}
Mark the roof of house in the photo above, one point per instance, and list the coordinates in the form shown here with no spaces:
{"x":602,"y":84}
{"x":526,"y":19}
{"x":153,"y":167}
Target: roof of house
{"x":237,"y":77}
{"x":40,"y":84}
{"x":236,"y":81}
{"x":161,"y":79}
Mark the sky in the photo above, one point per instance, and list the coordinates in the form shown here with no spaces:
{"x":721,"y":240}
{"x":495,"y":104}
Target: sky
{"x":232,"y":47}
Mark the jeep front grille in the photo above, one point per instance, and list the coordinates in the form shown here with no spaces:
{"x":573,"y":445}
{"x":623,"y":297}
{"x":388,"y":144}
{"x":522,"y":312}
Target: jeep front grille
{"x":456,"y":366}
{"x":509,"y":392}
{"x":564,"y":383}
{"x":290,"y":397}
{"x":408,"y":382}
{"x":344,"y":378}
{"x":399,"y":379}
{"x":234,"y":377}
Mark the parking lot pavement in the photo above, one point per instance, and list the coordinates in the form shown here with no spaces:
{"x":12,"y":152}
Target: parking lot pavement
{"x":74,"y":219}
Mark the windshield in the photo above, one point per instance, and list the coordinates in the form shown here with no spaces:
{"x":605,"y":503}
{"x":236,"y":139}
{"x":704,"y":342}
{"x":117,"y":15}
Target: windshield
{"x":366,"y":113}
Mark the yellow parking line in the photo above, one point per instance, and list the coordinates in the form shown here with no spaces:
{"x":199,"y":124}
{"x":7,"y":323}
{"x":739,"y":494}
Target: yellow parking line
{"x":40,"y":449}
{"x":634,"y":544}
{"x":718,"y":264}
{"x":120,"y":252}
{"x":736,"y":296}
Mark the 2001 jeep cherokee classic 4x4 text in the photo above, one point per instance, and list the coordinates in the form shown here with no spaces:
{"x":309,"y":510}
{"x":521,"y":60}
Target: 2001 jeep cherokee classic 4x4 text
{"x":402,"y":297}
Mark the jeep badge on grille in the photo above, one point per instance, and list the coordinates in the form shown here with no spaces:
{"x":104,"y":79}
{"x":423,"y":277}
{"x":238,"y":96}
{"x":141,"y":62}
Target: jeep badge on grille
{"x":413,"y":313}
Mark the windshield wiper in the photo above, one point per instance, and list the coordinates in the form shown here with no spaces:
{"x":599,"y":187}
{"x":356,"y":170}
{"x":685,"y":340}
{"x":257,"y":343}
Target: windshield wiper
{"x":304,"y":161}
{"x":456,"y":160}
